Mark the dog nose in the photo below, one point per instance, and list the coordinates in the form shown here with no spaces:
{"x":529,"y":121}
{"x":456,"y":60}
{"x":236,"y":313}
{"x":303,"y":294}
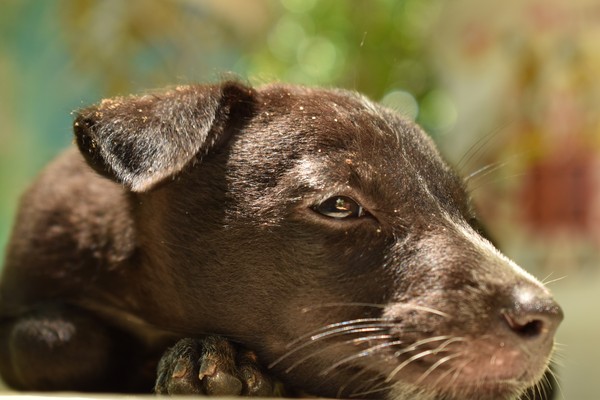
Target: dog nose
{"x":533,"y":315}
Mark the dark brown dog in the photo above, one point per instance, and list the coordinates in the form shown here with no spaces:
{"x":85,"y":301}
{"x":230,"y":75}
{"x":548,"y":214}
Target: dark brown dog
{"x":320,"y":231}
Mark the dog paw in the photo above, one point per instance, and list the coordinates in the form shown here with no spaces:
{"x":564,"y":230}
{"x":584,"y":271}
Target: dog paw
{"x":212,"y":366}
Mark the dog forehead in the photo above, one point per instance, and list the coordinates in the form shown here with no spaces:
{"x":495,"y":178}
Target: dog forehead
{"x":331,"y":118}
{"x":318,"y":102}
{"x":337,"y":121}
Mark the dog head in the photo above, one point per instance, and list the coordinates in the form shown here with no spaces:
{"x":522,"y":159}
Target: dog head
{"x":326,"y":233}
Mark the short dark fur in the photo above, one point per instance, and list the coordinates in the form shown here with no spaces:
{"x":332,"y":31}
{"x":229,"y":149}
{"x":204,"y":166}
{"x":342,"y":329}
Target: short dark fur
{"x":213,"y":221}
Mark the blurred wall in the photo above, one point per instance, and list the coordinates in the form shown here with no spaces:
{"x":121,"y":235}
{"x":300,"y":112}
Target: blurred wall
{"x":509,"y":90}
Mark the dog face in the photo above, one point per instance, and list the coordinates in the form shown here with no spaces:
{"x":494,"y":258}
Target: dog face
{"x":326,"y":233}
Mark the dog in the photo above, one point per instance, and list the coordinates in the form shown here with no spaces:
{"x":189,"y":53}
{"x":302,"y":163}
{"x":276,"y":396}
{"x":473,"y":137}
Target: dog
{"x":221,"y":239}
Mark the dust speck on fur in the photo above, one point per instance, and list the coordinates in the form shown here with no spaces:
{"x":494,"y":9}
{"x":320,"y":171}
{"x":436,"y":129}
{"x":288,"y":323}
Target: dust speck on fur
{"x":111,"y":104}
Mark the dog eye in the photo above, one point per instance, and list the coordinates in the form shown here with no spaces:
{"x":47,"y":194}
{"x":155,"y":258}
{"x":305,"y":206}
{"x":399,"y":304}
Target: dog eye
{"x":340,"y":207}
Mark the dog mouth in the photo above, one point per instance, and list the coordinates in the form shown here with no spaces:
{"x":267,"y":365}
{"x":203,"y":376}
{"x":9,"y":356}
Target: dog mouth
{"x":417,"y":353}
{"x":452,"y":368}
{"x":429,"y":368}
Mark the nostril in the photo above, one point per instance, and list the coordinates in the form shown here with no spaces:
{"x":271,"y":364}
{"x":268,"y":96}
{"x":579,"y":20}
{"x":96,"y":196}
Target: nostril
{"x":528,"y":328}
{"x":533,"y":314}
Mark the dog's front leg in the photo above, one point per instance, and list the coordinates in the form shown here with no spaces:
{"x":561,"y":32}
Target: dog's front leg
{"x":60,"y":347}
{"x":213,"y":366}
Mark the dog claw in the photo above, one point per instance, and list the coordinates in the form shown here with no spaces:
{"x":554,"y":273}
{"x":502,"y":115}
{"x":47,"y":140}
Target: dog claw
{"x":222,"y":384}
{"x":207,"y":368}
{"x":179,"y":370}
{"x":218,"y":383}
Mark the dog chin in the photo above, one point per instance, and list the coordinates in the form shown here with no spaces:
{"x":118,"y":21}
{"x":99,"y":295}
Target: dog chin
{"x":480,"y":391}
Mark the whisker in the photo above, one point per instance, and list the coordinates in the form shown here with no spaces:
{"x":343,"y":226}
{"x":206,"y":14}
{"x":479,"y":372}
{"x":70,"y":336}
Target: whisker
{"x":546,"y":277}
{"x":543,"y":386}
{"x":371,"y":387}
{"x":375,"y":305}
{"x":558,"y":356}
{"x":558,"y":361}
{"x":351,"y":329}
{"x":311,"y":308}
{"x":345,"y":328}
{"x":525,"y":395}
{"x":439,"y":349}
{"x":493,"y":167}
{"x":458,"y":371}
{"x":352,"y":379}
{"x":546,"y":283}
{"x":375,"y":390}
{"x":477,"y":147}
{"x":411,"y":359}
{"x":333,"y":333}
{"x":414,"y":346}
{"x":445,"y":374}
{"x":360,"y":354}
{"x":503,"y":178}
{"x":358,"y":322}
{"x":485,"y":171}
{"x":557,"y":381}
{"x":424,"y":308}
{"x":435,"y":365}
{"x":346,"y":342}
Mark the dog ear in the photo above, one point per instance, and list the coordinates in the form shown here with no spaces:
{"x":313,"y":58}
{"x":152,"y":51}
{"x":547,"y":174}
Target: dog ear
{"x":140,"y":141}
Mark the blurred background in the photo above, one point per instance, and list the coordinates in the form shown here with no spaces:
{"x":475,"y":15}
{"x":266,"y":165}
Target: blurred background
{"x":509,"y":90}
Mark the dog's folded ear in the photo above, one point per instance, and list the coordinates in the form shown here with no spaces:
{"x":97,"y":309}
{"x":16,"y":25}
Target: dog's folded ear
{"x":140,"y":141}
